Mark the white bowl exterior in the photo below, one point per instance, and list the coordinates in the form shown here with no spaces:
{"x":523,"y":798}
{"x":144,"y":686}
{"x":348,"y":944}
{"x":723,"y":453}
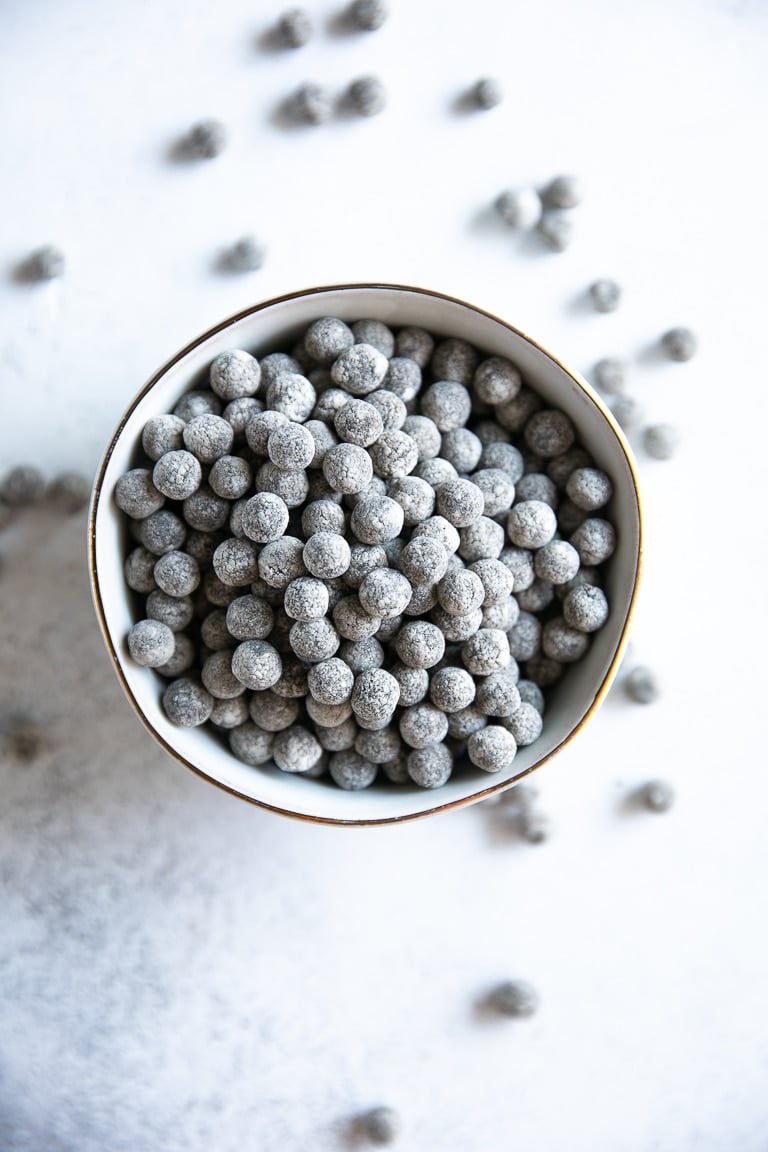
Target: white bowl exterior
{"x":276,"y":325}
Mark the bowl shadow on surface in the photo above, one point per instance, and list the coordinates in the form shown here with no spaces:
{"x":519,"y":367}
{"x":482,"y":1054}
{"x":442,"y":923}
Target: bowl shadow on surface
{"x":91,"y":739}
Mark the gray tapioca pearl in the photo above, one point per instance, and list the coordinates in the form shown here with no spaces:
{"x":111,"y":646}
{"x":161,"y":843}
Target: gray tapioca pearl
{"x":367,"y":95}
{"x":368,"y":15}
{"x":559,"y":468}
{"x":525,"y":724}
{"x":556,"y":562}
{"x":136,"y":493}
{"x":585,"y":608}
{"x":314,"y":640}
{"x":229,"y":714}
{"x":515,"y":998}
{"x":322,"y":516}
{"x":414,"y":683}
{"x":249,"y":618}
{"x":520,"y":208}
{"x":589,"y":488}
{"x":384,"y":593}
{"x":531,"y":524}
{"x":549,"y":432}
{"x":351,"y":771}
{"x":563,"y":191}
{"x":461,"y":448}
{"x":376,"y":519}
{"x":497,"y":694}
{"x":451,"y":689}
{"x":337,"y":737}
{"x":177,"y":573}
{"x":481,"y":540}
{"x":150,"y":643}
{"x":422,"y":725}
{"x":206,"y":140}
{"x":175,"y":611}
{"x":460,"y":501}
{"x":293,"y":395}
{"x":486,"y":651}
{"x":352,"y":621}
{"x":430,"y":767}
{"x":235,"y":374}
{"x":556,"y":229}
{"x":605,"y":294}
{"x":236,"y":562}
{"x":679,"y":343}
{"x":380,"y":747}
{"x":326,"y":338}
{"x":425,"y":434}
{"x":330,"y":681}
{"x":310,"y":103}
{"x":187,"y":703}
{"x":359,"y":369}
{"x":403,"y":378}
{"x":205,"y":511}
{"x":46,"y":263}
{"x":218,"y":678}
{"x":260,"y":426}
{"x":326,"y":555}
{"x":390,"y":407}
{"x":290,"y":447}
{"x":661,"y":440}
{"x":162,"y":531}
{"x":594,"y":540}
{"x":423,"y":561}
{"x":506,"y":457}
{"x":181,"y":659}
{"x":295,"y":749}
{"x":641,"y":685}
{"x":457,"y":628}
{"x":628,"y":411}
{"x":448,"y":403}
{"x":256,"y":664}
{"x":496,"y":578}
{"x":230,"y":477}
{"x":658,"y":795}
{"x":610,"y":375}
{"x":492,"y":748}
{"x":454,"y":359}
{"x":265,"y":517}
{"x":162,"y":434}
{"x":197,"y":403}
{"x":291,"y":487}
{"x":294,"y":28}
{"x":394,"y":454}
{"x":348,"y":468}
{"x":420,"y":644}
{"x":281,"y":561}
{"x":358,"y":422}
{"x":251,"y":744}
{"x":328,"y":715}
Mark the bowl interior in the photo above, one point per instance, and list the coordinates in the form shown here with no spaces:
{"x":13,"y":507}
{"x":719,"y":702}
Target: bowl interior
{"x":276,"y":325}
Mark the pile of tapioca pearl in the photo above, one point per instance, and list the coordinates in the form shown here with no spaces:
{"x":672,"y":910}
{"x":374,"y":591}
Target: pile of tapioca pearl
{"x":368,"y":556}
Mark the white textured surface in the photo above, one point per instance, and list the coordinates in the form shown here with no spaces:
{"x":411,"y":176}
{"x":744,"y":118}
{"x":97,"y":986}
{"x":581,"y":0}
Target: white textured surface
{"x":181,"y":971}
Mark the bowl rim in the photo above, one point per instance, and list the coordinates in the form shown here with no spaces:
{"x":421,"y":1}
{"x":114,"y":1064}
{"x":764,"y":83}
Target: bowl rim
{"x":251,"y":310}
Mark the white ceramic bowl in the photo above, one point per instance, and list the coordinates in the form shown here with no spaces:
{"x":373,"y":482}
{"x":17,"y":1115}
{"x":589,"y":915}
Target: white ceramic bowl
{"x":276,"y":324}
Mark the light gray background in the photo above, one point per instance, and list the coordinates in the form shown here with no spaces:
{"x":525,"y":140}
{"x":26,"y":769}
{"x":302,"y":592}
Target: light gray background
{"x":182,"y":971}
